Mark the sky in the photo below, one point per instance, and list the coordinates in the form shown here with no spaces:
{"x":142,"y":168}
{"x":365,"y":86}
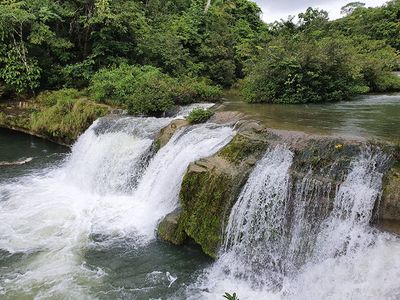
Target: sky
{"x":274,"y":10}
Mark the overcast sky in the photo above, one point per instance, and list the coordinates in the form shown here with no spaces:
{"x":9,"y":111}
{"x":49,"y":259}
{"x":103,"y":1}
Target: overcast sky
{"x":274,"y":10}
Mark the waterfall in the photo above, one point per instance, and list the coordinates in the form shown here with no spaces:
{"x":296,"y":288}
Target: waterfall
{"x":111,"y":185}
{"x":258,"y":222}
{"x":300,"y":238}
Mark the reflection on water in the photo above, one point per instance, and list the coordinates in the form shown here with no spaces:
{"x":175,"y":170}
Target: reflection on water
{"x":21,"y":154}
{"x":371,"y":117}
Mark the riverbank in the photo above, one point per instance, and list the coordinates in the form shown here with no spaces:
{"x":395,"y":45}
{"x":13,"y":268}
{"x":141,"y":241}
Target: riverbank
{"x":61,"y":122}
{"x":17,"y":115}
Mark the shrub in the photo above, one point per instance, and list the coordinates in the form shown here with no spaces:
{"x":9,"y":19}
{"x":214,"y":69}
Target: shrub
{"x":50,"y":98}
{"x":302,"y":71}
{"x":388,"y":83}
{"x":63,"y":116}
{"x":309,"y":70}
{"x":153,"y":95}
{"x":147,"y":91}
{"x":116,"y":85}
{"x":189,"y":90}
{"x":199,"y":115}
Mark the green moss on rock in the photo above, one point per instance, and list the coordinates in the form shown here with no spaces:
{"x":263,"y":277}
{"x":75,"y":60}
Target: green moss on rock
{"x":211,"y":186}
{"x":326,"y":157}
{"x":390,"y":203}
{"x":204,"y":198}
{"x":168,"y":229}
{"x":242,"y":146}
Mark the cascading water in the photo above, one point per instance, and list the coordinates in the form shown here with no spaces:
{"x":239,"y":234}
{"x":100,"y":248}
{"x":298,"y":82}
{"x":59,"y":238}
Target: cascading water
{"x":285,"y":241}
{"x":111,"y":185}
{"x":252,"y":227}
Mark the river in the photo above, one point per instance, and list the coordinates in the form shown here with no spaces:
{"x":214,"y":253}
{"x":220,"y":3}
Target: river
{"x":80,"y":223}
{"x":368,"y":117}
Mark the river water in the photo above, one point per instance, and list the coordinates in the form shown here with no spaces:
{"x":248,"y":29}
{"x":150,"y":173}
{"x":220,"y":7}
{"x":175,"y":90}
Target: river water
{"x":369,"y":117}
{"x":80,"y":223}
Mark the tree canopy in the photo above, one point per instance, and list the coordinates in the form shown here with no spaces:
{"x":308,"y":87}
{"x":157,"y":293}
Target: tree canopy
{"x":197,"y":47}
{"x":317,"y":60}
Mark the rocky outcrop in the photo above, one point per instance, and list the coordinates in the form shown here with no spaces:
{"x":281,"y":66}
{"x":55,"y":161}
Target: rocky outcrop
{"x":389,"y":208}
{"x":167,"y":132}
{"x":212,"y":185}
{"x":210,"y":188}
{"x":168,"y":228}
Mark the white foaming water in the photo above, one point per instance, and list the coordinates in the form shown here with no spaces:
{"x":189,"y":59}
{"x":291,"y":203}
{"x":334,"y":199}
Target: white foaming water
{"x":109,"y":185}
{"x":346,"y":259}
{"x":157,"y":193}
{"x":185,"y":110}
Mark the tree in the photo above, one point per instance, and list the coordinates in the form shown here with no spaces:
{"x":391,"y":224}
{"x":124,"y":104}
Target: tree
{"x":349,"y":8}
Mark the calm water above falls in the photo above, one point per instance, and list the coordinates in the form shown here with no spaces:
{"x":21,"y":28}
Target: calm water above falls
{"x":371,"y":116}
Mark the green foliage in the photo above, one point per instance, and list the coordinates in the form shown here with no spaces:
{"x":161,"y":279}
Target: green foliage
{"x":64,"y":115}
{"x":388,"y":83}
{"x":231,"y":296}
{"x":18,"y":72}
{"x":317,"y":61}
{"x":49,"y":44}
{"x":147,"y":91}
{"x":190,"y":89}
{"x":199,"y":115}
{"x":304,"y":71}
{"x":110,"y":45}
{"x":153,"y":94}
{"x":48,"y":98}
{"x":115,"y":85}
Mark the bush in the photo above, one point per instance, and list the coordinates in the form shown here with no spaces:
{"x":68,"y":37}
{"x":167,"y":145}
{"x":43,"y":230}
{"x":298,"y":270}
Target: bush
{"x":388,"y":83}
{"x":314,"y":70}
{"x":116,"y":85}
{"x":304,"y":71}
{"x":147,"y":91}
{"x":63,"y":116}
{"x":199,"y":115}
{"x":191,"y":90}
{"x":153,"y":95}
{"x":50,"y":98}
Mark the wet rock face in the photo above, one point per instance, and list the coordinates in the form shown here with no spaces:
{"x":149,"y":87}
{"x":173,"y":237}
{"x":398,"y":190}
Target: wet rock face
{"x":389,"y":209}
{"x":167,"y":132}
{"x":168,"y":229}
{"x":212,"y":185}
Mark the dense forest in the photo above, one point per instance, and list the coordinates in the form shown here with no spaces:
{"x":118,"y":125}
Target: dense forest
{"x":78,"y":58}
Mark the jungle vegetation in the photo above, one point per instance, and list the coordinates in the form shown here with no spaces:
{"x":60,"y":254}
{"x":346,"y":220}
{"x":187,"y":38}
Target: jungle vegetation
{"x":148,"y":55}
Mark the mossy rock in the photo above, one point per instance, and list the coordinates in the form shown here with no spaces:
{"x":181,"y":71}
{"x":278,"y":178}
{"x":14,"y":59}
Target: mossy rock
{"x":205,"y":195}
{"x":389,"y":209}
{"x":167,"y":132}
{"x":247,"y":143}
{"x":327,"y":157}
{"x":211,"y":186}
{"x":168,"y":229}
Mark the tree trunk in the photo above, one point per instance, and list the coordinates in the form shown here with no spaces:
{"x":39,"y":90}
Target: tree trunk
{"x":207,"y":6}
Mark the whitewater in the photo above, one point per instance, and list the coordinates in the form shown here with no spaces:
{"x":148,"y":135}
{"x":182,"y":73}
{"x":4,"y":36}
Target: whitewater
{"x":112,"y":184}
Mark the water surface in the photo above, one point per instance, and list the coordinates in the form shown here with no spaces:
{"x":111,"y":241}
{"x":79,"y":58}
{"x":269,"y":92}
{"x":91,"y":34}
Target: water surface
{"x":369,"y":117}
